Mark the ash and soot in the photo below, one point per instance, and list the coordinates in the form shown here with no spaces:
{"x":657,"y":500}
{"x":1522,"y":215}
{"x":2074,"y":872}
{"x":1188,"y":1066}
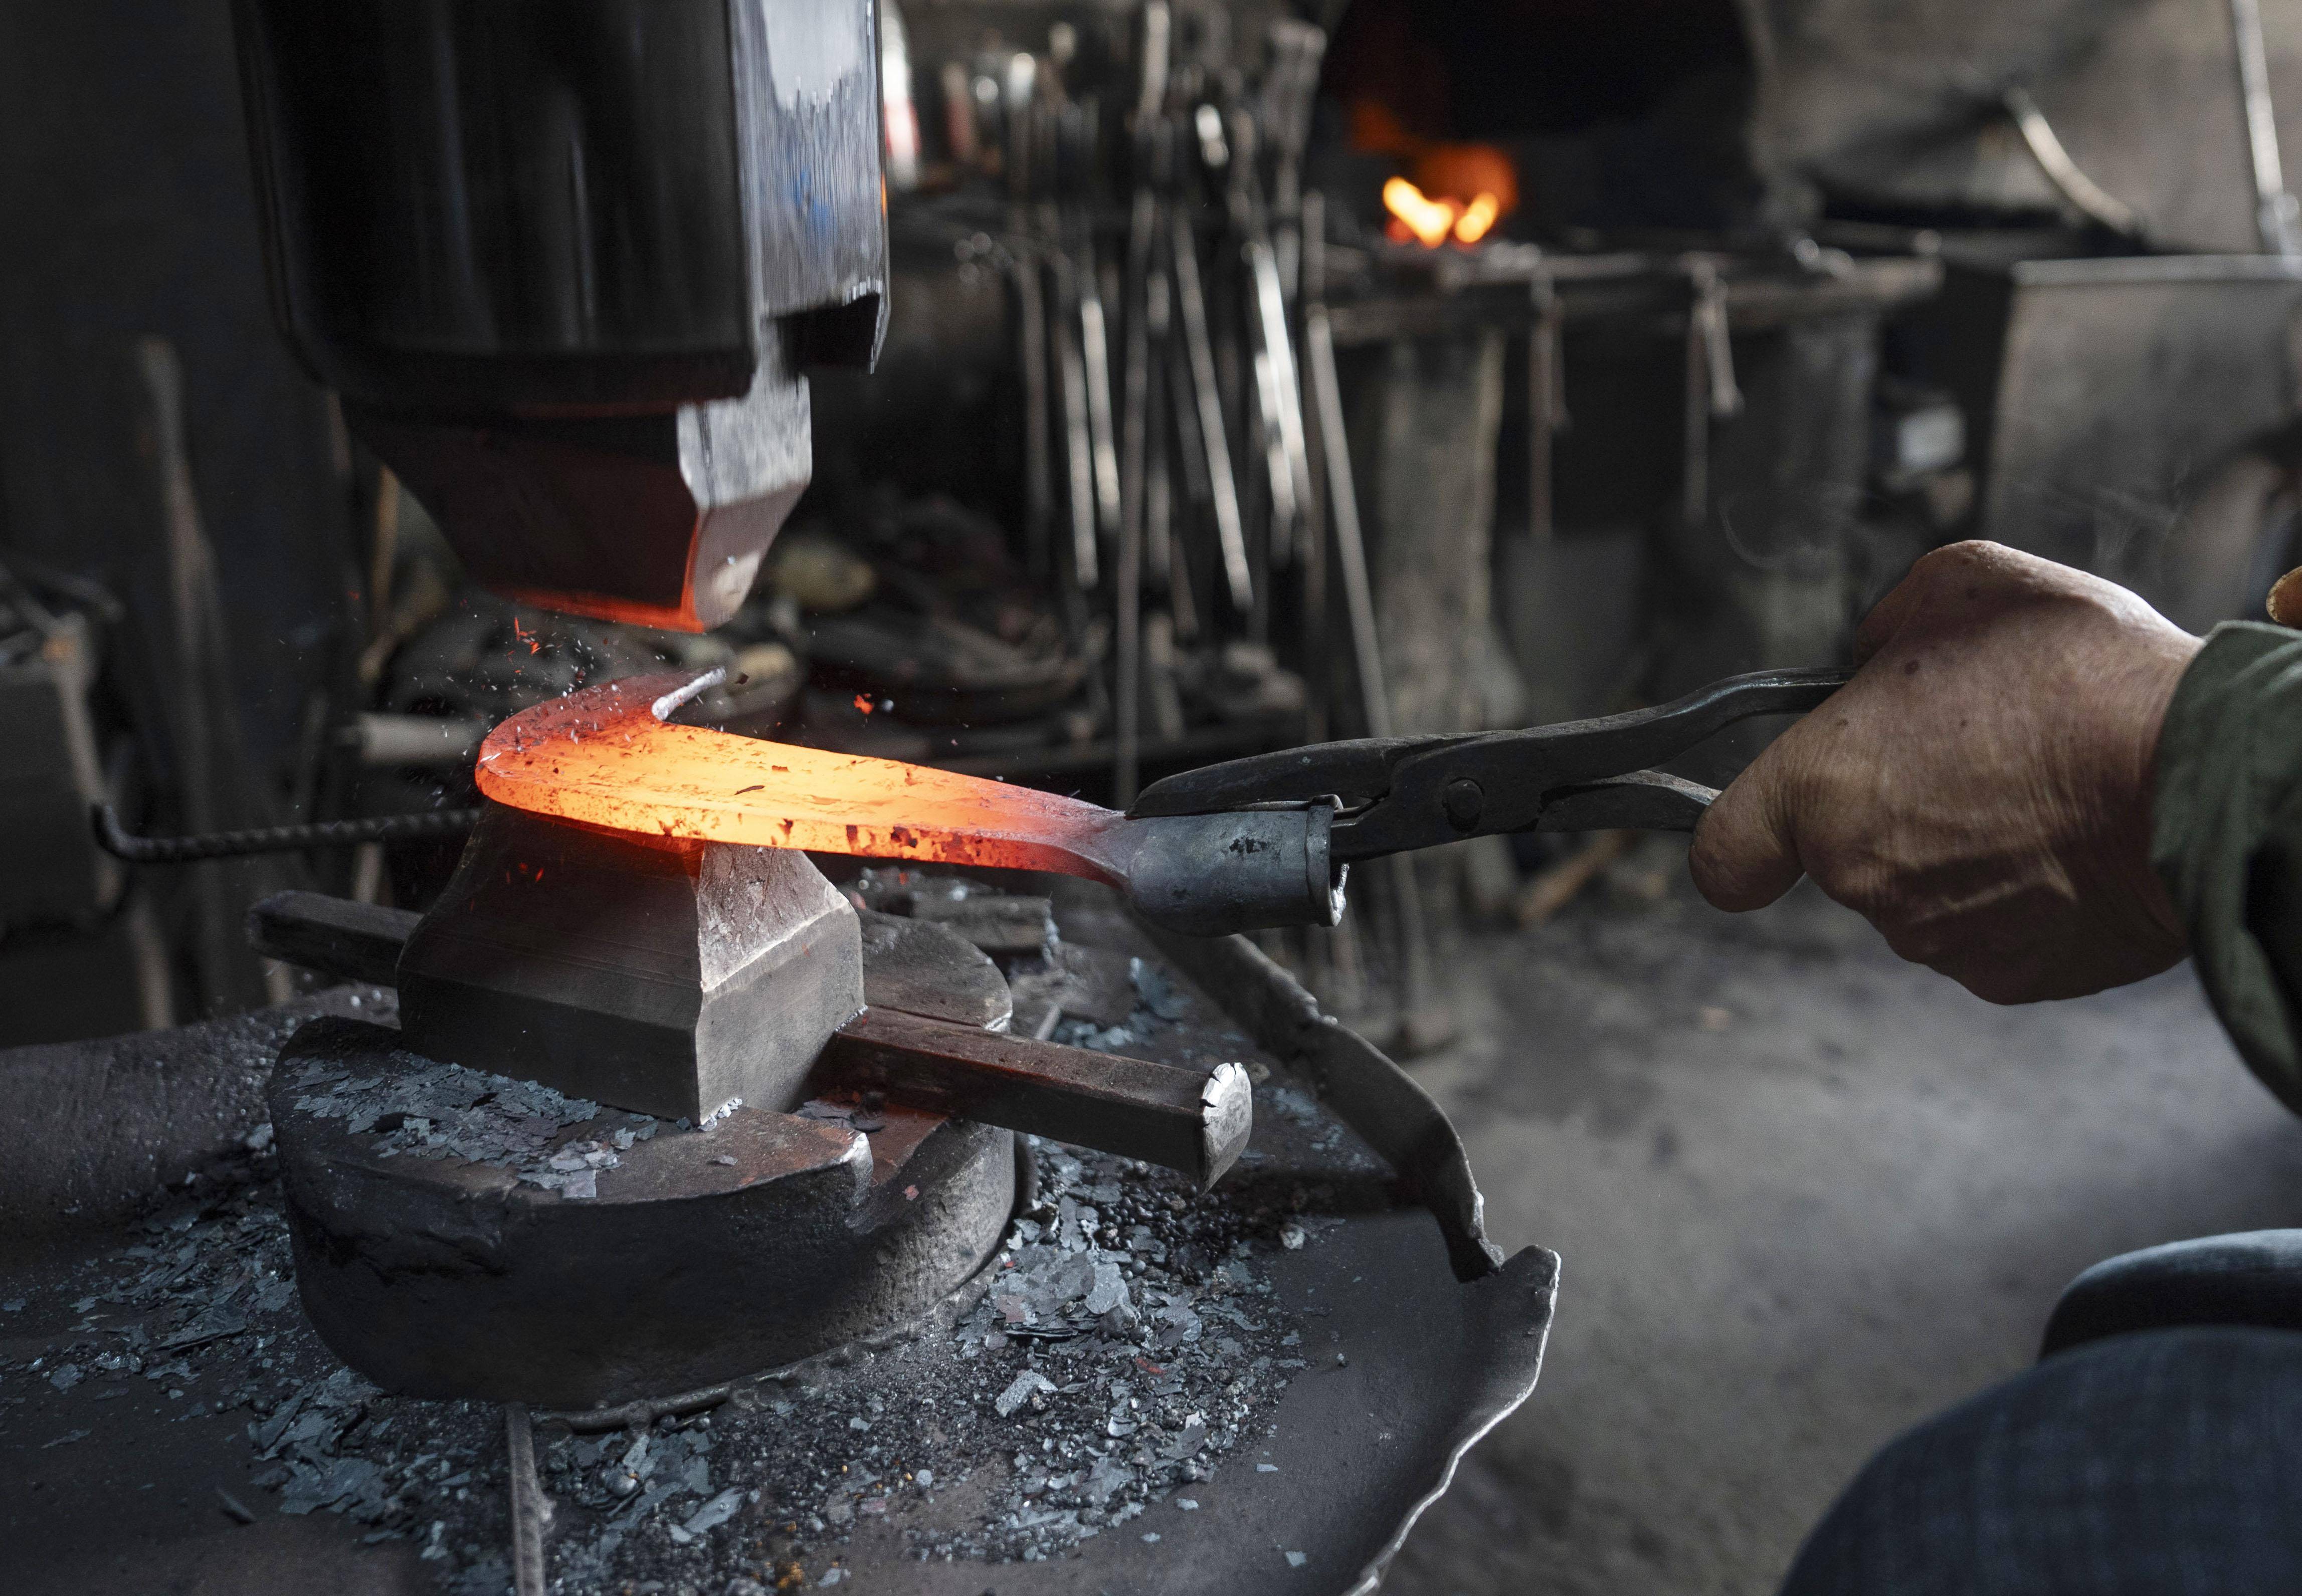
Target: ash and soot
{"x":1125,"y":1346}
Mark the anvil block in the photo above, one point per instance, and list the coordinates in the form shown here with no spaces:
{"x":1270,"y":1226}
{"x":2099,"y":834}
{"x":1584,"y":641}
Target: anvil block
{"x":674,"y":979}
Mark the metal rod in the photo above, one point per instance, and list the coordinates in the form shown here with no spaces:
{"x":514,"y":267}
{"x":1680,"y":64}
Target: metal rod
{"x":1358,"y":601}
{"x":530,"y":1509}
{"x":1095,"y":349}
{"x":2275,"y":210}
{"x":1286,"y":388}
{"x":116,"y":840}
{"x":1032,"y":356}
{"x":1213,"y":435}
{"x":1126,"y":717}
{"x":1070,"y":371}
{"x":1318,"y":668}
{"x":1343,"y":511}
{"x":1159,"y":463}
{"x":1285,"y":511}
{"x":1545,"y":404}
{"x":2046,"y":149}
{"x":1171,"y":1114}
{"x":360,"y":942}
{"x":1702,"y":391}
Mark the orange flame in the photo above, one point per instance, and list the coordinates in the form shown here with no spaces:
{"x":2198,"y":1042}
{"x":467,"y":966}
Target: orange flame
{"x":1433,"y":222}
{"x":602,"y":757}
{"x":1477,"y":217}
{"x":1417,"y":215}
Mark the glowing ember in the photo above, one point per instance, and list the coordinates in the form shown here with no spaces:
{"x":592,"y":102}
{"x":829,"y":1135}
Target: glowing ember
{"x":1477,"y":216}
{"x":1433,"y":222}
{"x":602,"y":757}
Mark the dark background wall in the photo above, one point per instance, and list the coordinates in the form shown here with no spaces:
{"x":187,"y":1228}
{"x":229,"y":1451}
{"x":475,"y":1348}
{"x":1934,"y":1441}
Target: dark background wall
{"x":127,"y":214}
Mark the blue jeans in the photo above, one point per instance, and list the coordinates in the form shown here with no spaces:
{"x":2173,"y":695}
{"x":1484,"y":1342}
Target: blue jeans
{"x":2154,"y":1450}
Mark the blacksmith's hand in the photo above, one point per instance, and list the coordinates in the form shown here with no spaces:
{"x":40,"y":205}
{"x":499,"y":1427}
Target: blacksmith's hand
{"x":1981,"y":789}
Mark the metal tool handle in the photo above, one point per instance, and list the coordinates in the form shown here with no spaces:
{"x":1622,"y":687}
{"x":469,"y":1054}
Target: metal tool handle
{"x":1642,"y":800}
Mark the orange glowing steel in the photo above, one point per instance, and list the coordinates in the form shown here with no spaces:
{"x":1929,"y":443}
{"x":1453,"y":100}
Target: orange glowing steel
{"x":1429,"y":220}
{"x":602,"y":757}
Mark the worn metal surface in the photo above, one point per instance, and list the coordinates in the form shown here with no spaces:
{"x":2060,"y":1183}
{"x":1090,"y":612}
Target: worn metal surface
{"x":930,"y":1041}
{"x":920,"y":968}
{"x":673,"y":978}
{"x":565,"y":265}
{"x":698,"y":1254}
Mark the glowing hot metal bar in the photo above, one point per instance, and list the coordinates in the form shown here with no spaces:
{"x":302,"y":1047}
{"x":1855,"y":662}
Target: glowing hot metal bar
{"x":604,"y":756}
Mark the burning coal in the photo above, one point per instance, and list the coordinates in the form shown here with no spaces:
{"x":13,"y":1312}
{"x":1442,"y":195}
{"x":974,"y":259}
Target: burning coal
{"x":1432,"y":222}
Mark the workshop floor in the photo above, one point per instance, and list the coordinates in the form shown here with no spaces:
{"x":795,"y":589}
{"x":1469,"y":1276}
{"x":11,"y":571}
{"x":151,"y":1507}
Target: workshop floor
{"x":1805,"y":1196}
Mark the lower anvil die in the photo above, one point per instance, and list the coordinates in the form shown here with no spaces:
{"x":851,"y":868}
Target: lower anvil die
{"x":672,"y":977}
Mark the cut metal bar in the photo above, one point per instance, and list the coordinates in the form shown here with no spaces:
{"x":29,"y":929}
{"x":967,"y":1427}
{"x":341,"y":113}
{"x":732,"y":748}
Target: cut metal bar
{"x":1212,"y":434}
{"x":1169,"y":1114}
{"x":360,"y":942}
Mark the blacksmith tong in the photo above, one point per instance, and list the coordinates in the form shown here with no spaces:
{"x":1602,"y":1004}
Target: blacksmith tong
{"x":1392,"y":794}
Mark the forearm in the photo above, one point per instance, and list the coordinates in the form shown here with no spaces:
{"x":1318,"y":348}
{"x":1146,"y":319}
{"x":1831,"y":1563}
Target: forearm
{"x":2227,"y":838}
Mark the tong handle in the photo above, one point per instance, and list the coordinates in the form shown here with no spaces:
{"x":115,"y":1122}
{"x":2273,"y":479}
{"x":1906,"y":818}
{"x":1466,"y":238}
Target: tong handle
{"x":1642,"y":800}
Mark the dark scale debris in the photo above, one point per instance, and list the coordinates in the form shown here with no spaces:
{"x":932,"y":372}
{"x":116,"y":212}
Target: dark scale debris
{"x":427,"y":1110}
{"x":1123,"y":1345}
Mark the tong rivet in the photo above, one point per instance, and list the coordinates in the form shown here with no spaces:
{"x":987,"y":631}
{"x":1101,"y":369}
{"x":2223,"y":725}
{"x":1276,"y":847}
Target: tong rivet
{"x":1463,"y":801}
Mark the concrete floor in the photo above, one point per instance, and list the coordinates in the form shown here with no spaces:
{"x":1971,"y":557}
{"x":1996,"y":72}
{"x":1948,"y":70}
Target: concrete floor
{"x":1806,"y":1196}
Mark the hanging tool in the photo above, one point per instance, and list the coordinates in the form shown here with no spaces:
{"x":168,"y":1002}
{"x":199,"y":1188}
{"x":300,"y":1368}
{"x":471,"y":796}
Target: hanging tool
{"x":1275,"y":373}
{"x":1127,"y":720}
{"x":2277,"y":215}
{"x":1712,"y":393}
{"x":1359,"y":606}
{"x":1199,"y":346}
{"x":1317,"y":670}
{"x":1546,"y":402}
{"x":1078,"y":437}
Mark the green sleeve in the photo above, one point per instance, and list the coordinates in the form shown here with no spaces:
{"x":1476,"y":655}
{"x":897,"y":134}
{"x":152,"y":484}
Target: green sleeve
{"x":2226,"y":835}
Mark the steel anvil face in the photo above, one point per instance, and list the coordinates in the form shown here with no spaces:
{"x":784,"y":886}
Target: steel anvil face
{"x":674,"y":978}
